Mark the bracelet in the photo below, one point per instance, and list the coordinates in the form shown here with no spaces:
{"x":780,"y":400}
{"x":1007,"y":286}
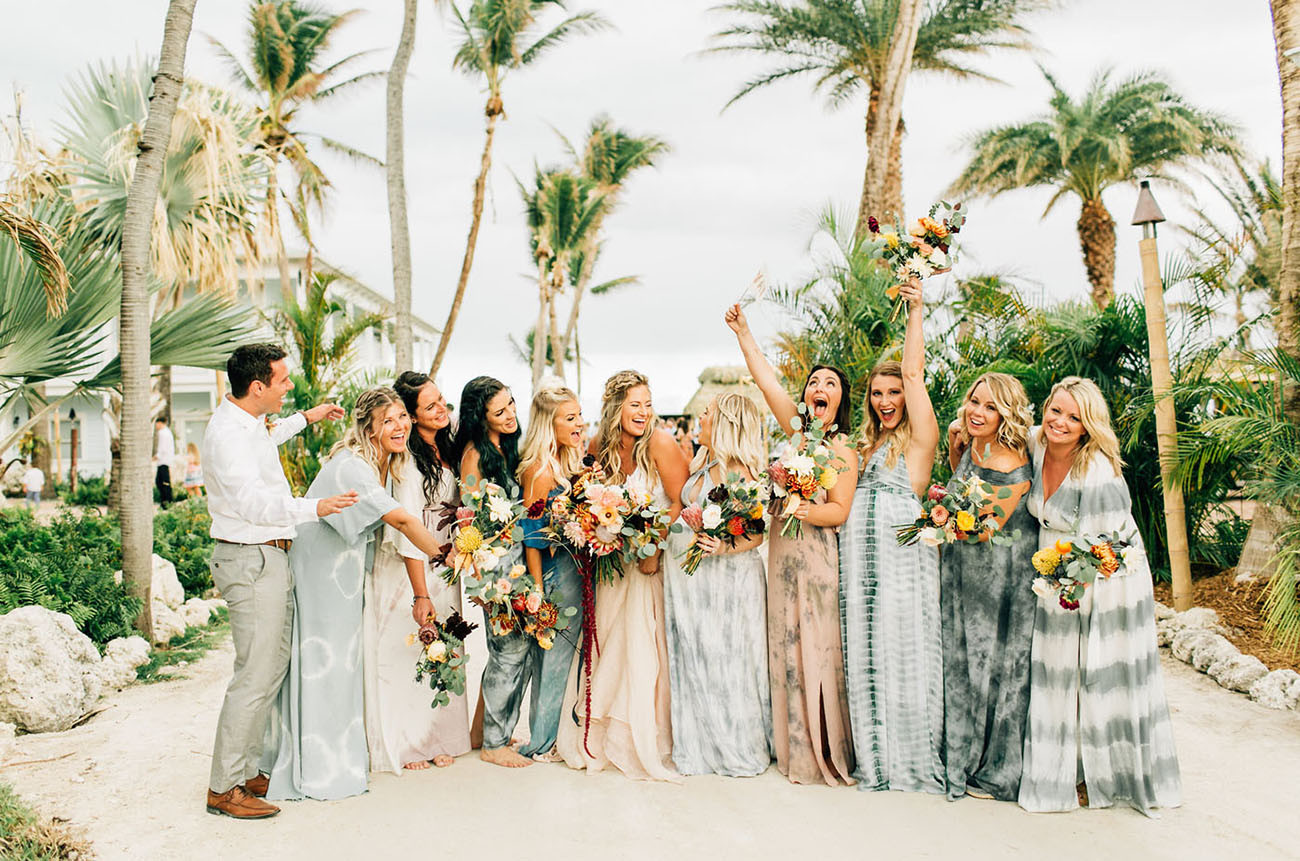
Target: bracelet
{"x":417,"y":598}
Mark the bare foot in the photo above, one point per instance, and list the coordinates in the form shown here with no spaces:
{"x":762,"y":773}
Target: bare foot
{"x":418,"y":765}
{"x":1082,"y":791}
{"x":978,"y":793}
{"x":443,"y":760}
{"x":504,"y":756}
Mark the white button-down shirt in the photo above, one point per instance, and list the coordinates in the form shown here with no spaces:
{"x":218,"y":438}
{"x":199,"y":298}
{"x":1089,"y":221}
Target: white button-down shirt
{"x":248,"y":496}
{"x":166,"y":447}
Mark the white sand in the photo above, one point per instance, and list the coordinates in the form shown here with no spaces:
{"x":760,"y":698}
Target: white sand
{"x":136,"y":775}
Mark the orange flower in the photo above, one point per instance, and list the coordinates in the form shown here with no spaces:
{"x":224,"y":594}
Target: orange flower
{"x":938,"y":515}
{"x":1064,"y":547}
{"x":736,"y":526}
{"x":1106,"y":555}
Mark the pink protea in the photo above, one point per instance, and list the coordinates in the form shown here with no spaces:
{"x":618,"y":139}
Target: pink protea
{"x":936,"y":492}
{"x":693,"y":516}
{"x":778,"y":474}
{"x":464,"y":516}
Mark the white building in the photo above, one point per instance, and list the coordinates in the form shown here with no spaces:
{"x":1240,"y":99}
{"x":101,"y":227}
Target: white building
{"x":195,"y":391}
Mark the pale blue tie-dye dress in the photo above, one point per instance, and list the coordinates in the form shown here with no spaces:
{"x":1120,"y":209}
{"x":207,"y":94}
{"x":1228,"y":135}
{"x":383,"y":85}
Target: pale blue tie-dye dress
{"x":318,"y":733}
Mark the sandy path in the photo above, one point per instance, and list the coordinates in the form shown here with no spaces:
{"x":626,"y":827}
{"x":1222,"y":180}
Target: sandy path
{"x":136,"y":774}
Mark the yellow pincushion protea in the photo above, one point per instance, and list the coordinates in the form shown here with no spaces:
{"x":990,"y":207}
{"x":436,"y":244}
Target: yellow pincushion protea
{"x":965,"y":521}
{"x":756,"y":512}
{"x":468,"y":540}
{"x":828,"y":477}
{"x":1046,"y":560}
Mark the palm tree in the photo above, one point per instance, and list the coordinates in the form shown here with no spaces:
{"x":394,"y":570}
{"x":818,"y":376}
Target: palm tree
{"x":39,"y":246}
{"x":563,"y":208}
{"x":395,"y":158}
{"x":846,"y":46}
{"x":203,"y":230}
{"x":498,"y":36}
{"x":610,"y":156}
{"x":1115,"y":133}
{"x":1286,"y":37}
{"x":136,"y":514}
{"x":287,"y":40}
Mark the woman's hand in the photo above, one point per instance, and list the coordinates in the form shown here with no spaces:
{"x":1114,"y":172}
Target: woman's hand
{"x":649,"y":565}
{"x":804,"y":509}
{"x":736,"y":320}
{"x":422,"y":611}
{"x":710,"y":544}
{"x":910,"y":292}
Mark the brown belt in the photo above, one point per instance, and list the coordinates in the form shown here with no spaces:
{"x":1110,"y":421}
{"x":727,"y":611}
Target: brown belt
{"x":280,"y":543}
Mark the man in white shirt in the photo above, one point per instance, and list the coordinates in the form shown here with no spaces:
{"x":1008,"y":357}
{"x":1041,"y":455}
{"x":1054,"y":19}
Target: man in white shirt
{"x":162,"y":461}
{"x":33,"y":484}
{"x":254,"y":515}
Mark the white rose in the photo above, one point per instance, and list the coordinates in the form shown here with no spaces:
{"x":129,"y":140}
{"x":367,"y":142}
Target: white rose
{"x":801,"y":463}
{"x":499,"y":509}
{"x":605,"y":536}
{"x":1043,"y":588}
{"x":487,"y":560}
{"x":938,"y":259}
{"x":931,"y":537}
{"x":436,"y":651}
{"x":712,"y":516}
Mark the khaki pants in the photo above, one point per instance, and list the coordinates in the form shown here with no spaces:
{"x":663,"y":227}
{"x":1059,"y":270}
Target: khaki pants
{"x":257,"y":584}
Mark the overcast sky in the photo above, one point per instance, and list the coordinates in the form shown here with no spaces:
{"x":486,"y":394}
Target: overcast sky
{"x":740,"y":190}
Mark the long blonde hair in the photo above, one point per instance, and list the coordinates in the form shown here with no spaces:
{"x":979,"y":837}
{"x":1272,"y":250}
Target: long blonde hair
{"x":356,"y":439}
{"x":540,"y":447}
{"x":737,"y":435}
{"x":609,"y":434}
{"x":1094,"y":413}
{"x":1012,"y":405}
{"x":872,"y":431}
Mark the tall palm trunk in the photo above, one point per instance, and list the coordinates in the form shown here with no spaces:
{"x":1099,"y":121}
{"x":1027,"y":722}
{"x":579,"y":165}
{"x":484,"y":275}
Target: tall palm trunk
{"x":1286,"y":36}
{"x":589,"y":251}
{"x":867,"y":205}
{"x":287,"y":291}
{"x":136,"y":488}
{"x":494,"y":111}
{"x":1097,"y":241}
{"x":539,"y":328}
{"x":399,"y":229}
{"x":892,"y":205}
{"x":557,"y":349}
{"x":888,"y":108}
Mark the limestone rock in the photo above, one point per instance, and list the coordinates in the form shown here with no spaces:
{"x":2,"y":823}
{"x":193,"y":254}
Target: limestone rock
{"x":167,"y":623}
{"x":1200,"y":617}
{"x":1280,"y":689}
{"x":7,"y":733}
{"x":1188,"y":640}
{"x":1217,"y":649}
{"x":49,"y":671}
{"x":121,"y":657}
{"x":1244,"y":578}
{"x":1239,"y":672}
{"x":165,"y":586}
{"x":1163,"y":612}
{"x":196,"y":612}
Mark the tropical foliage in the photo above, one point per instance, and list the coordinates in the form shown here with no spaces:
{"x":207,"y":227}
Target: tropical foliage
{"x":1116,"y":132}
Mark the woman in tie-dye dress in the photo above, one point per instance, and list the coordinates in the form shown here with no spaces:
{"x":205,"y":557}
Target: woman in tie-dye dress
{"x":1099,"y":730}
{"x":889,"y":594}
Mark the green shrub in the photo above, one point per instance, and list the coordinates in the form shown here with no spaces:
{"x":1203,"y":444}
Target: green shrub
{"x":182,"y":534}
{"x":91,"y":490}
{"x":67,"y":567}
{"x":25,"y":836}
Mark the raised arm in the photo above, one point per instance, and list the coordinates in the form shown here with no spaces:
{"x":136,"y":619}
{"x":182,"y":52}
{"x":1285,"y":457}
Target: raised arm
{"x":920,"y":411}
{"x":778,"y":401}
{"x":469,"y":469}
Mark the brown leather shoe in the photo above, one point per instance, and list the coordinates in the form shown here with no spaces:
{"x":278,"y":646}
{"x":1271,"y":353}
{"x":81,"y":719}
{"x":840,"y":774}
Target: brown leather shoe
{"x":257,"y":785}
{"x":239,"y":804}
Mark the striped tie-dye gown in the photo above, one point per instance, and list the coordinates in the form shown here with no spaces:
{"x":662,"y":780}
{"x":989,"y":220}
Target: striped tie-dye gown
{"x":1097,"y":710}
{"x":893,"y":651}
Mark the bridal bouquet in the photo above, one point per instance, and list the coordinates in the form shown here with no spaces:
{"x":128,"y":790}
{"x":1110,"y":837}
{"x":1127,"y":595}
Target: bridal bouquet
{"x":731,"y":511}
{"x":544,"y":623}
{"x":442,"y":656}
{"x":647,"y":525}
{"x":920,"y":251}
{"x":588,"y":520}
{"x":1066,"y":569}
{"x":959,"y":515}
{"x":802,"y":471}
{"x":487,"y":526}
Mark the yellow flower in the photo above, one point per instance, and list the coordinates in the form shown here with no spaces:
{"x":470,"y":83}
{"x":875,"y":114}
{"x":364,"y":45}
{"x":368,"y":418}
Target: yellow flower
{"x":828,"y":478}
{"x":468,"y":539}
{"x":756,"y":512}
{"x":965,"y":521}
{"x":1046,"y":560}
{"x":891,"y":238}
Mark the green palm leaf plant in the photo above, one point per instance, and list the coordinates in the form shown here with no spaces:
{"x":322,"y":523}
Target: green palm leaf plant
{"x":287,"y":69}
{"x":324,"y":339}
{"x":563,"y":209}
{"x":1116,"y":132}
{"x":498,"y":36}
{"x":843,"y":46}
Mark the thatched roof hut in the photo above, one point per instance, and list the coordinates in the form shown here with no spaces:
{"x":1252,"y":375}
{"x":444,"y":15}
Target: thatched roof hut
{"x":716,"y":379}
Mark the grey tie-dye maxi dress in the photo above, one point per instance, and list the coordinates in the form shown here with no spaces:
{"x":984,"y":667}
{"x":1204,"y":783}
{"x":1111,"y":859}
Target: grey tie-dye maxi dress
{"x":987,"y":611}
{"x":889,"y":621}
{"x":1097,"y":710}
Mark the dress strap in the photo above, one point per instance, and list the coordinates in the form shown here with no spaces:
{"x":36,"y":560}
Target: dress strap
{"x":699,"y":476}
